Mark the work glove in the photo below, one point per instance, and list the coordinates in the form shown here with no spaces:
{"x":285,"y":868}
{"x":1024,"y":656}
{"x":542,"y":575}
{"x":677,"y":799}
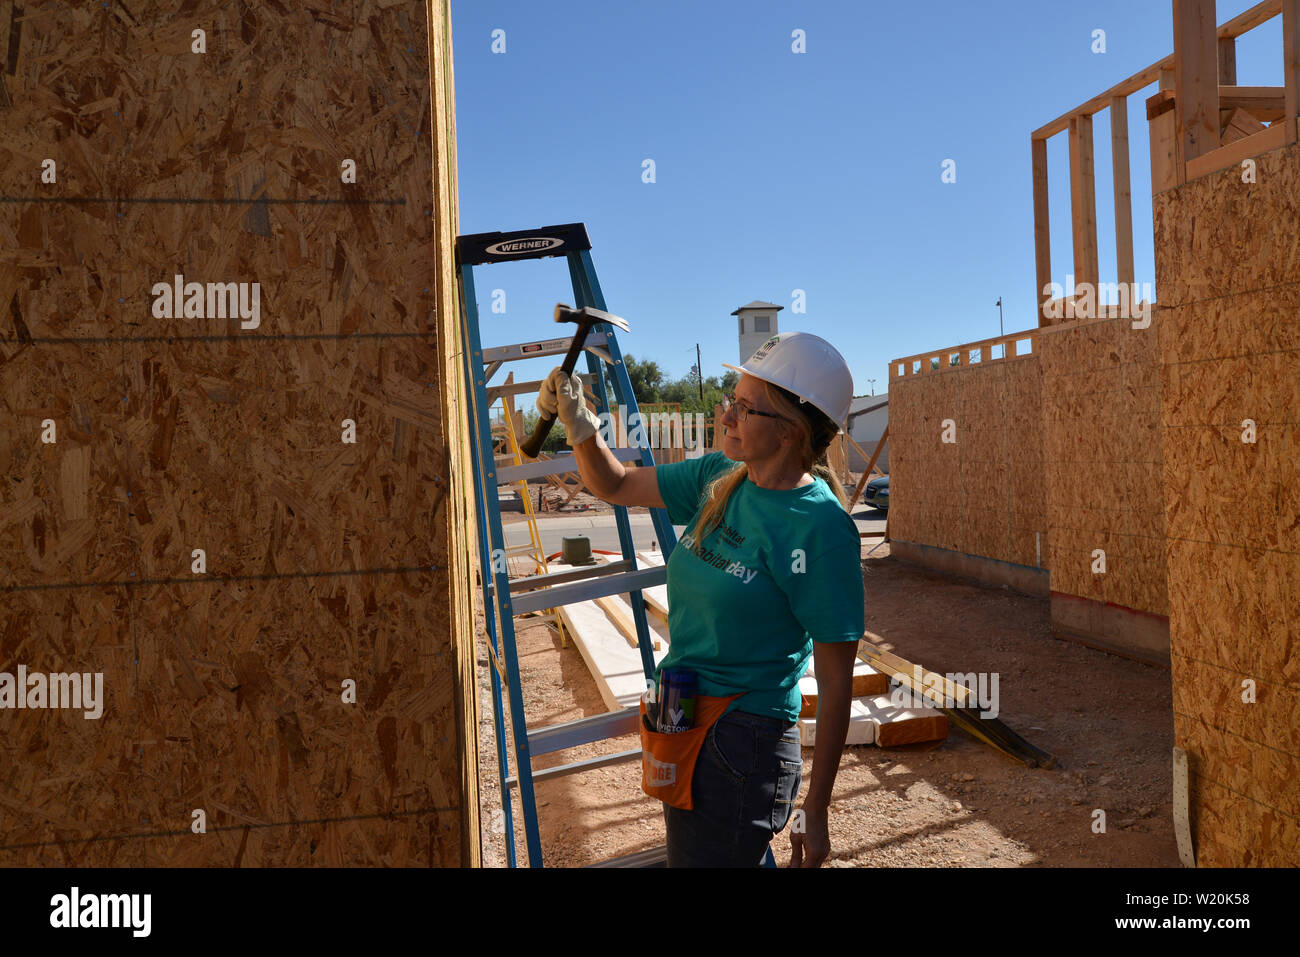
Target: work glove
{"x":561,"y":396}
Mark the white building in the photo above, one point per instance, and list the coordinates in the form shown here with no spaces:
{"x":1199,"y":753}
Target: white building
{"x":868,"y":417}
{"x":756,"y":323}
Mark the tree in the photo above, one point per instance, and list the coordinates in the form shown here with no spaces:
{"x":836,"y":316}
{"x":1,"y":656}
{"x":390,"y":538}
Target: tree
{"x":646,"y":377}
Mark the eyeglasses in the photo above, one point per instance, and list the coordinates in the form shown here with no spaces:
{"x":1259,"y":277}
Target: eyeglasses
{"x":729,"y":401}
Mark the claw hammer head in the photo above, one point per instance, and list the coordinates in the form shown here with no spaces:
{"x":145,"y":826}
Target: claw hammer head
{"x":587,"y":316}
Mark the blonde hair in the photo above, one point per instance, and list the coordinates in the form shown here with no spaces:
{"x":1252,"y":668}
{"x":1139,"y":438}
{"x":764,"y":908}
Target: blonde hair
{"x":815,"y":433}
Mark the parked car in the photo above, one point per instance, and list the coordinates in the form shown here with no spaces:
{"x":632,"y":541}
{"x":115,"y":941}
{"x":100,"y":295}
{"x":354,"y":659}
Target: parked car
{"x":876,"y":493}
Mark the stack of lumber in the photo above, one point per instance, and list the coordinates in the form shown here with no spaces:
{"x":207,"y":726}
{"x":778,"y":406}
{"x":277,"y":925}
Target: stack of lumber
{"x":873,"y":717}
{"x":603,"y":633}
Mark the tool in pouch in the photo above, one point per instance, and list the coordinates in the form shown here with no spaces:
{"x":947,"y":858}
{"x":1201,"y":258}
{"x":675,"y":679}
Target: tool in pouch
{"x":668,"y":758}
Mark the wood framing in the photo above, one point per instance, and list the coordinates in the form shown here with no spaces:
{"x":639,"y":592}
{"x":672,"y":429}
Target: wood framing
{"x":871,"y":465}
{"x":1227,"y":61}
{"x":1267,"y":103}
{"x":1232,"y":154}
{"x":901,"y":368}
{"x":1196,"y":75}
{"x":1123,"y":193}
{"x":1291,"y":67}
{"x":1083,"y":200}
{"x":1243,"y":23}
{"x":1042,"y":228}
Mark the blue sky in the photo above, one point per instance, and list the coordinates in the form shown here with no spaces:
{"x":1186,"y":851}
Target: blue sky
{"x":778,"y":171}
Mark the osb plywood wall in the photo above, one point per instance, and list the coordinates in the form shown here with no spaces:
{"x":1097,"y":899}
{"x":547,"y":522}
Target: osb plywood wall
{"x":1101,"y":441}
{"x":1227,"y":261}
{"x":323,"y":560}
{"x":983,"y":493}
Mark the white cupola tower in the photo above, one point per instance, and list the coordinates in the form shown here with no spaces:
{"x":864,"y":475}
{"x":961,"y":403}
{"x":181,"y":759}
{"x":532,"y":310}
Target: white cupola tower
{"x":755,"y":324}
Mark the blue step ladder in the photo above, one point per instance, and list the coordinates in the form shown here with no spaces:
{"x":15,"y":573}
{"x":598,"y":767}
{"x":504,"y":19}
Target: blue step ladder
{"x":504,"y":598}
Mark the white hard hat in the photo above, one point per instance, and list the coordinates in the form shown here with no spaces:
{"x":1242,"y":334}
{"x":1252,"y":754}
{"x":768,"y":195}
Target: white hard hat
{"x":808,"y":366}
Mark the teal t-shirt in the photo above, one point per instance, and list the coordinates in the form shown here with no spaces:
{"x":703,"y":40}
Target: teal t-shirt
{"x":780,"y":571}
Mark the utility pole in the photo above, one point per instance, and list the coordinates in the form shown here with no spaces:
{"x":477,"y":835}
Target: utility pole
{"x":699,"y":369}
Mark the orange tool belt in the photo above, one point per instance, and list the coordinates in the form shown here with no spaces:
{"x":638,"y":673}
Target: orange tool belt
{"x":668,"y":760}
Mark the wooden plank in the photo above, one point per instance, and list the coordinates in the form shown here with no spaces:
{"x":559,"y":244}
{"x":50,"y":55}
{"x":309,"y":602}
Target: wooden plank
{"x":875,"y":720}
{"x":867,"y":682}
{"x":1164,"y":162}
{"x":1291,"y":68}
{"x":1196,"y":77}
{"x":1248,"y":20}
{"x":1240,"y":125}
{"x":895,"y":666}
{"x":1272,"y":138}
{"x":1227,"y":61}
{"x":865,"y":455}
{"x":862,"y":730}
{"x":1042,"y":227}
{"x":1083,"y":200}
{"x":866,"y":474}
{"x":1267,"y":103}
{"x":977,"y":344}
{"x":1123,"y":192}
{"x":614,"y":666}
{"x":655,"y":597}
{"x":619,"y":610}
{"x":897,"y":726}
{"x":1160,"y":104}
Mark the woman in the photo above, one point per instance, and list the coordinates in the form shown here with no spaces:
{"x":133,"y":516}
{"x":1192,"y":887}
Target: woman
{"x":767,"y":574}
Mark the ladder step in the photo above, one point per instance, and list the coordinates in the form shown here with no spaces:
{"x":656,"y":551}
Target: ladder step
{"x":570,"y":734}
{"x":540,"y":347}
{"x":604,"y":761}
{"x":515,"y":388}
{"x":620,"y":584}
{"x":531,"y":582}
{"x":654,"y":857}
{"x":560,"y":465}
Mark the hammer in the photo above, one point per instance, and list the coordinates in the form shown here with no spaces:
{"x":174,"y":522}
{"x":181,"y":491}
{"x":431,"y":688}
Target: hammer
{"x":586,"y":317}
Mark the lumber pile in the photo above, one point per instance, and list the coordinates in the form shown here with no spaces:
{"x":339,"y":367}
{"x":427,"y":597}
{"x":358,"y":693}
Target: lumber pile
{"x":603,"y":632}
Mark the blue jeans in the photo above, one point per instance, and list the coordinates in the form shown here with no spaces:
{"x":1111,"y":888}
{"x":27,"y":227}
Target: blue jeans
{"x":745,"y":785}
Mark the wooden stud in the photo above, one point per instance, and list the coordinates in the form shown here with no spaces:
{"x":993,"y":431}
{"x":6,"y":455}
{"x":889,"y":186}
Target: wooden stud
{"x":1227,"y":76}
{"x":1240,"y":124}
{"x":1123,"y":190}
{"x":1291,"y":74}
{"x":1042,"y":228}
{"x":1197,"y":79}
{"x":1227,"y":61}
{"x":866,"y":473}
{"x":1083,"y":200}
{"x":1267,"y":103}
{"x":1271,"y":138}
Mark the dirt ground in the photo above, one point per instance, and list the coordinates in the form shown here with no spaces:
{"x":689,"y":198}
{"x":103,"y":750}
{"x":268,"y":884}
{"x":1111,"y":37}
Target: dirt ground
{"x":1108,"y":720}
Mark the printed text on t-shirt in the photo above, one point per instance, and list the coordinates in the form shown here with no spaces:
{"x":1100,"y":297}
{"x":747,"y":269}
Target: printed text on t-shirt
{"x":717,"y":560}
